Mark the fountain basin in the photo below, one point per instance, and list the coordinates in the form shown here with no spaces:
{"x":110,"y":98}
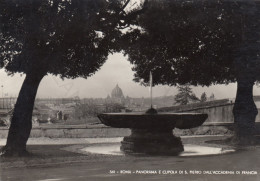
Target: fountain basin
{"x":152,"y":133}
{"x":153,"y":121}
{"x":189,"y":150}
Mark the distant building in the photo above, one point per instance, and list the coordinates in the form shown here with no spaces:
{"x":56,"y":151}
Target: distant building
{"x":117,"y":93}
{"x":133,"y":104}
{"x":117,"y":96}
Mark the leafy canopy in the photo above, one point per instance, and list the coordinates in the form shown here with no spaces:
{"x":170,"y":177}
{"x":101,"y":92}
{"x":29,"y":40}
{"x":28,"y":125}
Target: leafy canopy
{"x":194,"y":42}
{"x":69,"y":38}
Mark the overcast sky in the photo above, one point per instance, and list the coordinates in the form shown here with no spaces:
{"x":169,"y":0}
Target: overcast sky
{"x":116,"y":70}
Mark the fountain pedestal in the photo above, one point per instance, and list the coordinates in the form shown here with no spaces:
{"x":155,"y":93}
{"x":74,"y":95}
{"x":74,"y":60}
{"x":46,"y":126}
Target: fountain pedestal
{"x":152,"y":133}
{"x":152,"y":141}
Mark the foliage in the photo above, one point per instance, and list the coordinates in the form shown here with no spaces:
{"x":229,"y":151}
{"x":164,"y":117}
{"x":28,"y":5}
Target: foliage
{"x":69,"y":38}
{"x":92,"y":109}
{"x":192,"y":42}
{"x":203,"y":97}
{"x":201,"y":43}
{"x":185,"y":95}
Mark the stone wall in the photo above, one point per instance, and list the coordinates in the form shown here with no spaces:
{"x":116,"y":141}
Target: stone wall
{"x":222,"y":113}
{"x":218,"y":111}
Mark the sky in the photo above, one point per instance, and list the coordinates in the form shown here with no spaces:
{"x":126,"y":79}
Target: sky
{"x":116,"y":70}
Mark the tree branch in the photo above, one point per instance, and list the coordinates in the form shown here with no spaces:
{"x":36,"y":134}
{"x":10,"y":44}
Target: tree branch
{"x":132,"y":15}
{"x":124,"y":6}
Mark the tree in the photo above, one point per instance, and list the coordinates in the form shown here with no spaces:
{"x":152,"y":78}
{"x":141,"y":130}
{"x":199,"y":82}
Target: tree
{"x":203,"y":97}
{"x":201,"y":43}
{"x":66,"y":38}
{"x":185,"y":95}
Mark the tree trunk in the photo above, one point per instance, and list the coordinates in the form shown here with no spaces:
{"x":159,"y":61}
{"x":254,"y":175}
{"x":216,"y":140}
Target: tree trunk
{"x":245,"y":112}
{"x":246,"y":67}
{"x":21,"y":121}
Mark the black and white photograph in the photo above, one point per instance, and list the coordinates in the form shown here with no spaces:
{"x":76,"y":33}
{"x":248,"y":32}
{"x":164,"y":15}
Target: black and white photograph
{"x":129,"y":90}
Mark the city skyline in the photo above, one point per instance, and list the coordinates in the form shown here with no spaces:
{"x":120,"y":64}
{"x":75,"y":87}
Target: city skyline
{"x":116,"y":70}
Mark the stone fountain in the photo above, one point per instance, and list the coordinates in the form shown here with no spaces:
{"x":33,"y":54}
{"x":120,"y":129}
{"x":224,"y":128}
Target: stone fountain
{"x":152,"y":132}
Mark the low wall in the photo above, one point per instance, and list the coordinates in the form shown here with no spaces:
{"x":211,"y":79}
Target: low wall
{"x":73,"y":132}
{"x":221,"y":113}
{"x":101,"y":131}
{"x":218,"y":111}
